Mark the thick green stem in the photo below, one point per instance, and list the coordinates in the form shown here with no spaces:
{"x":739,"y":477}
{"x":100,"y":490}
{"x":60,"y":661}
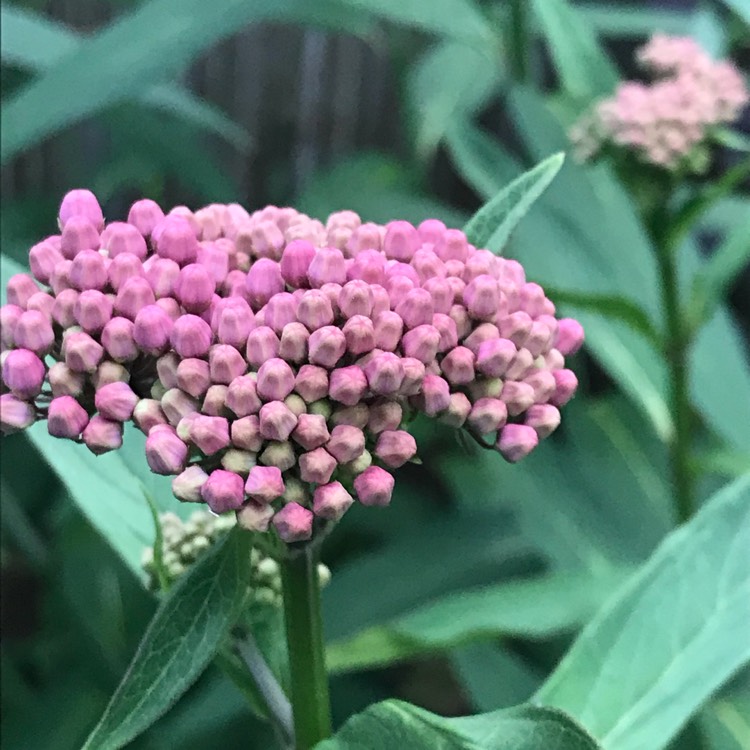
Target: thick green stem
{"x":518,"y":40}
{"x":304,"y":632}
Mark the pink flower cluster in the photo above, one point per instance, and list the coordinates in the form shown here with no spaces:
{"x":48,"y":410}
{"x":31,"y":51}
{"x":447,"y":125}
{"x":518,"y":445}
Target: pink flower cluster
{"x":272,"y":361}
{"x":667,"y":122}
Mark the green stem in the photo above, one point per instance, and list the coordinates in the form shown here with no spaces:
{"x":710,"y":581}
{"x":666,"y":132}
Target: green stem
{"x":518,"y":40}
{"x":304,"y":632}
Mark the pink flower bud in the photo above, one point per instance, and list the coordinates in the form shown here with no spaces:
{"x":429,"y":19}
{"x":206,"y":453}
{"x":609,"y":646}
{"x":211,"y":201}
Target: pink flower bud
{"x":275,"y":379}
{"x":20,"y":288}
{"x":311,"y":383}
{"x":384,"y":415}
{"x":78,"y":234}
{"x":33,"y":331}
{"x":331,"y":501}
{"x":452,"y":245}
{"x":280,"y":455}
{"x":147,"y":414}
{"x":567,"y":384}
{"x":416,"y":308}
{"x":441,"y":293}
{"x":543,"y":418}
{"x":63,"y":310}
{"x":9,"y":316}
{"x":176,"y":404}
{"x":210,"y":434}
{"x":187,"y":485}
{"x":364,"y":237}
{"x":295,"y":261}
{"x":374,"y":487}
{"x":435,"y":396}
{"x":152,"y":329}
{"x":356,"y":416}
{"x":458,"y":410}
{"x":213,"y":258}
{"x":191,"y":336}
{"x":395,"y":447}
{"x":544,"y":385}
{"x":194,"y":288}
{"x":315,"y":310}
{"x":60,"y":278}
{"x":233,"y":322}
{"x":43,"y":258}
{"x":460,"y":316}
{"x":521,"y":366}
{"x":293,"y":343}
{"x":162,"y":274}
{"x":316,"y":466}
{"x":242,"y":397}
{"x":327,"y":267}
{"x":264,"y":484}
{"x":400,"y":241}
{"x":215,"y":401}
{"x":517,"y":396}
{"x":276,"y":421}
{"x":254,"y":517}
{"x":446,"y":327}
{"x":193,"y":376}
{"x":109,"y":372}
{"x":280,"y":311}
{"x":368,"y":266}
{"x":93,"y":310}
{"x":494,"y":357}
{"x":117,"y":338}
{"x":569,"y":336}
{"x":23,"y":373}
{"x":539,"y":339}
{"x":487,"y":415}
{"x":125,"y":266}
{"x":346,"y":444}
{"x":414,"y":374}
{"x":223,"y":491}
{"x":385,"y":373}
{"x":15,"y":414}
{"x":166,"y":454}
{"x":327,"y":345}
{"x":102,"y":435}
{"x":122,"y":238}
{"x":311,"y":431}
{"x":388,"y":328}
{"x":246,"y":433}
{"x":347,"y":385}
{"x":144,"y":215}
{"x":263,"y":281}
{"x":88,"y":271}
{"x":427,"y":264}
{"x":360,"y":334}
{"x":458,"y":366}
{"x":176,"y":240}
{"x":64,"y":381}
{"x":226,"y":364}
{"x":355,"y":299}
{"x":81,"y":203}
{"x":482,"y":298}
{"x":268,"y":240}
{"x":134,"y":294}
{"x":516,"y":441}
{"x":81,"y":352}
{"x":421,"y":343}
{"x":115,"y":401}
{"x":66,"y":418}
{"x":293,"y":523}
{"x":262,"y":345}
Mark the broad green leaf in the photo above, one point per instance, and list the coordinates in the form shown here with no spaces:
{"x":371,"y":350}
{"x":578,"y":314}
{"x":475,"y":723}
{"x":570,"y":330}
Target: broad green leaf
{"x":29,"y":40}
{"x":669,"y":637}
{"x":449,"y":83}
{"x":715,"y":277}
{"x":376,"y":186}
{"x":395,"y":725}
{"x":727,"y":463}
{"x":532,"y":608}
{"x":732,"y":139}
{"x":637,"y":21}
{"x":586,"y":72}
{"x":740,"y":7}
{"x":725,"y":721}
{"x":493,"y":224}
{"x":179,"y":643}
{"x":708,"y":28}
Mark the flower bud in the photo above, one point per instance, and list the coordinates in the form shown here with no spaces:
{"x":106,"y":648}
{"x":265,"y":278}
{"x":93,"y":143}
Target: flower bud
{"x":446,"y":327}
{"x":193,"y":376}
{"x":385,"y":373}
{"x":416,"y":308}
{"x":264,"y":484}
{"x":369,"y":267}
{"x":147,"y":414}
{"x":226,"y":364}
{"x":280,"y":455}
{"x":263,"y":281}
{"x":395,"y":447}
{"x":355,"y":299}
{"x":88,"y":271}
{"x":262,"y":345}
{"x":23,"y":373}
{"x":517,"y":396}
{"x":215,"y":401}
{"x":166,"y":454}
{"x":567,"y":384}
{"x":175,"y":240}
{"x":223,"y":491}
{"x":487,"y":415}
{"x":166,"y":369}
{"x":539,"y":339}
{"x":364,"y":237}
{"x":516,"y":327}
{"x":115,"y":401}
{"x":92,"y":310}
{"x":66,"y":418}
{"x":144,"y":215}
{"x":346,"y":444}
{"x":246,"y":433}
{"x":401,"y":241}
{"x":187,"y":485}
{"x":234,"y":323}
{"x":191,"y":336}
{"x":254,"y":517}
{"x":120,"y":238}
{"x":479,"y":263}
{"x":543,"y":418}
{"x":102,"y":435}
{"x":20,"y":288}
{"x":9,"y":316}
{"x":33,"y":331}
{"x":295,"y":261}
{"x":316,"y":466}
{"x":516,"y":441}
{"x":460,"y":316}
{"x":293,"y":523}
{"x":209,"y":434}
{"x":374,"y":486}
{"x":43,"y":258}
{"x":356,"y":415}
{"x":109,"y":372}
{"x":494,"y":357}
{"x":275,"y":380}
{"x":78,"y":234}
{"x":569,"y":336}
{"x":15,"y":414}
{"x":276,"y":421}
{"x":293,"y":343}
{"x":348,"y":384}
{"x":117,"y":339}
{"x":331,"y":501}
{"x":421,"y":343}
{"x":194,"y":288}
{"x":311,"y":383}
{"x":441,"y":293}
{"x":126,"y":266}
{"x":152,"y":330}
{"x":240,"y":462}
{"x":452,"y":245}
{"x":176,"y":404}
{"x":532,"y":300}
{"x":81,"y":203}
{"x":414,"y":373}
{"x":435,"y":396}
{"x":522,"y":365}
{"x":544,"y":385}
{"x":482,"y":297}
{"x":384,"y":415}
{"x":280,"y":310}
{"x":458,"y":410}
{"x":63,"y":310}
{"x":458,"y":366}
{"x":81,"y":352}
{"x":388,"y":328}
{"x":314,"y":310}
{"x":327,"y":267}
{"x":311,"y":431}
{"x":327,"y":345}
{"x":64,"y":381}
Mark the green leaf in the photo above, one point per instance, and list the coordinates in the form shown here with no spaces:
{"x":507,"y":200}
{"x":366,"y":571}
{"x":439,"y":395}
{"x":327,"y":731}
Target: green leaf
{"x":669,"y":637}
{"x":638,"y":21}
{"x":740,"y":7}
{"x":31,"y":41}
{"x":179,"y":643}
{"x":712,"y":282}
{"x":449,"y":84}
{"x":395,"y":725}
{"x":732,"y":139}
{"x":533,"y":608}
{"x":493,"y":224}
{"x":586,"y":72}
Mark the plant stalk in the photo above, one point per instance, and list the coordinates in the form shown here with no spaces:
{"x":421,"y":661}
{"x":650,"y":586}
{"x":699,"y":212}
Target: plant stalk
{"x":311,"y":704}
{"x":518,"y":40}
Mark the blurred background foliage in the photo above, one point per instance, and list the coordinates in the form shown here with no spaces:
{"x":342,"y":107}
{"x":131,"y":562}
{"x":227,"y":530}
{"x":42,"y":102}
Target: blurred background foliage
{"x":382,"y":107}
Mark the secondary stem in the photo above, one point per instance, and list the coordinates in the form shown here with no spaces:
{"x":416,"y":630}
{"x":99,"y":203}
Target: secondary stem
{"x":304,"y":632}
{"x":519,"y":40}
